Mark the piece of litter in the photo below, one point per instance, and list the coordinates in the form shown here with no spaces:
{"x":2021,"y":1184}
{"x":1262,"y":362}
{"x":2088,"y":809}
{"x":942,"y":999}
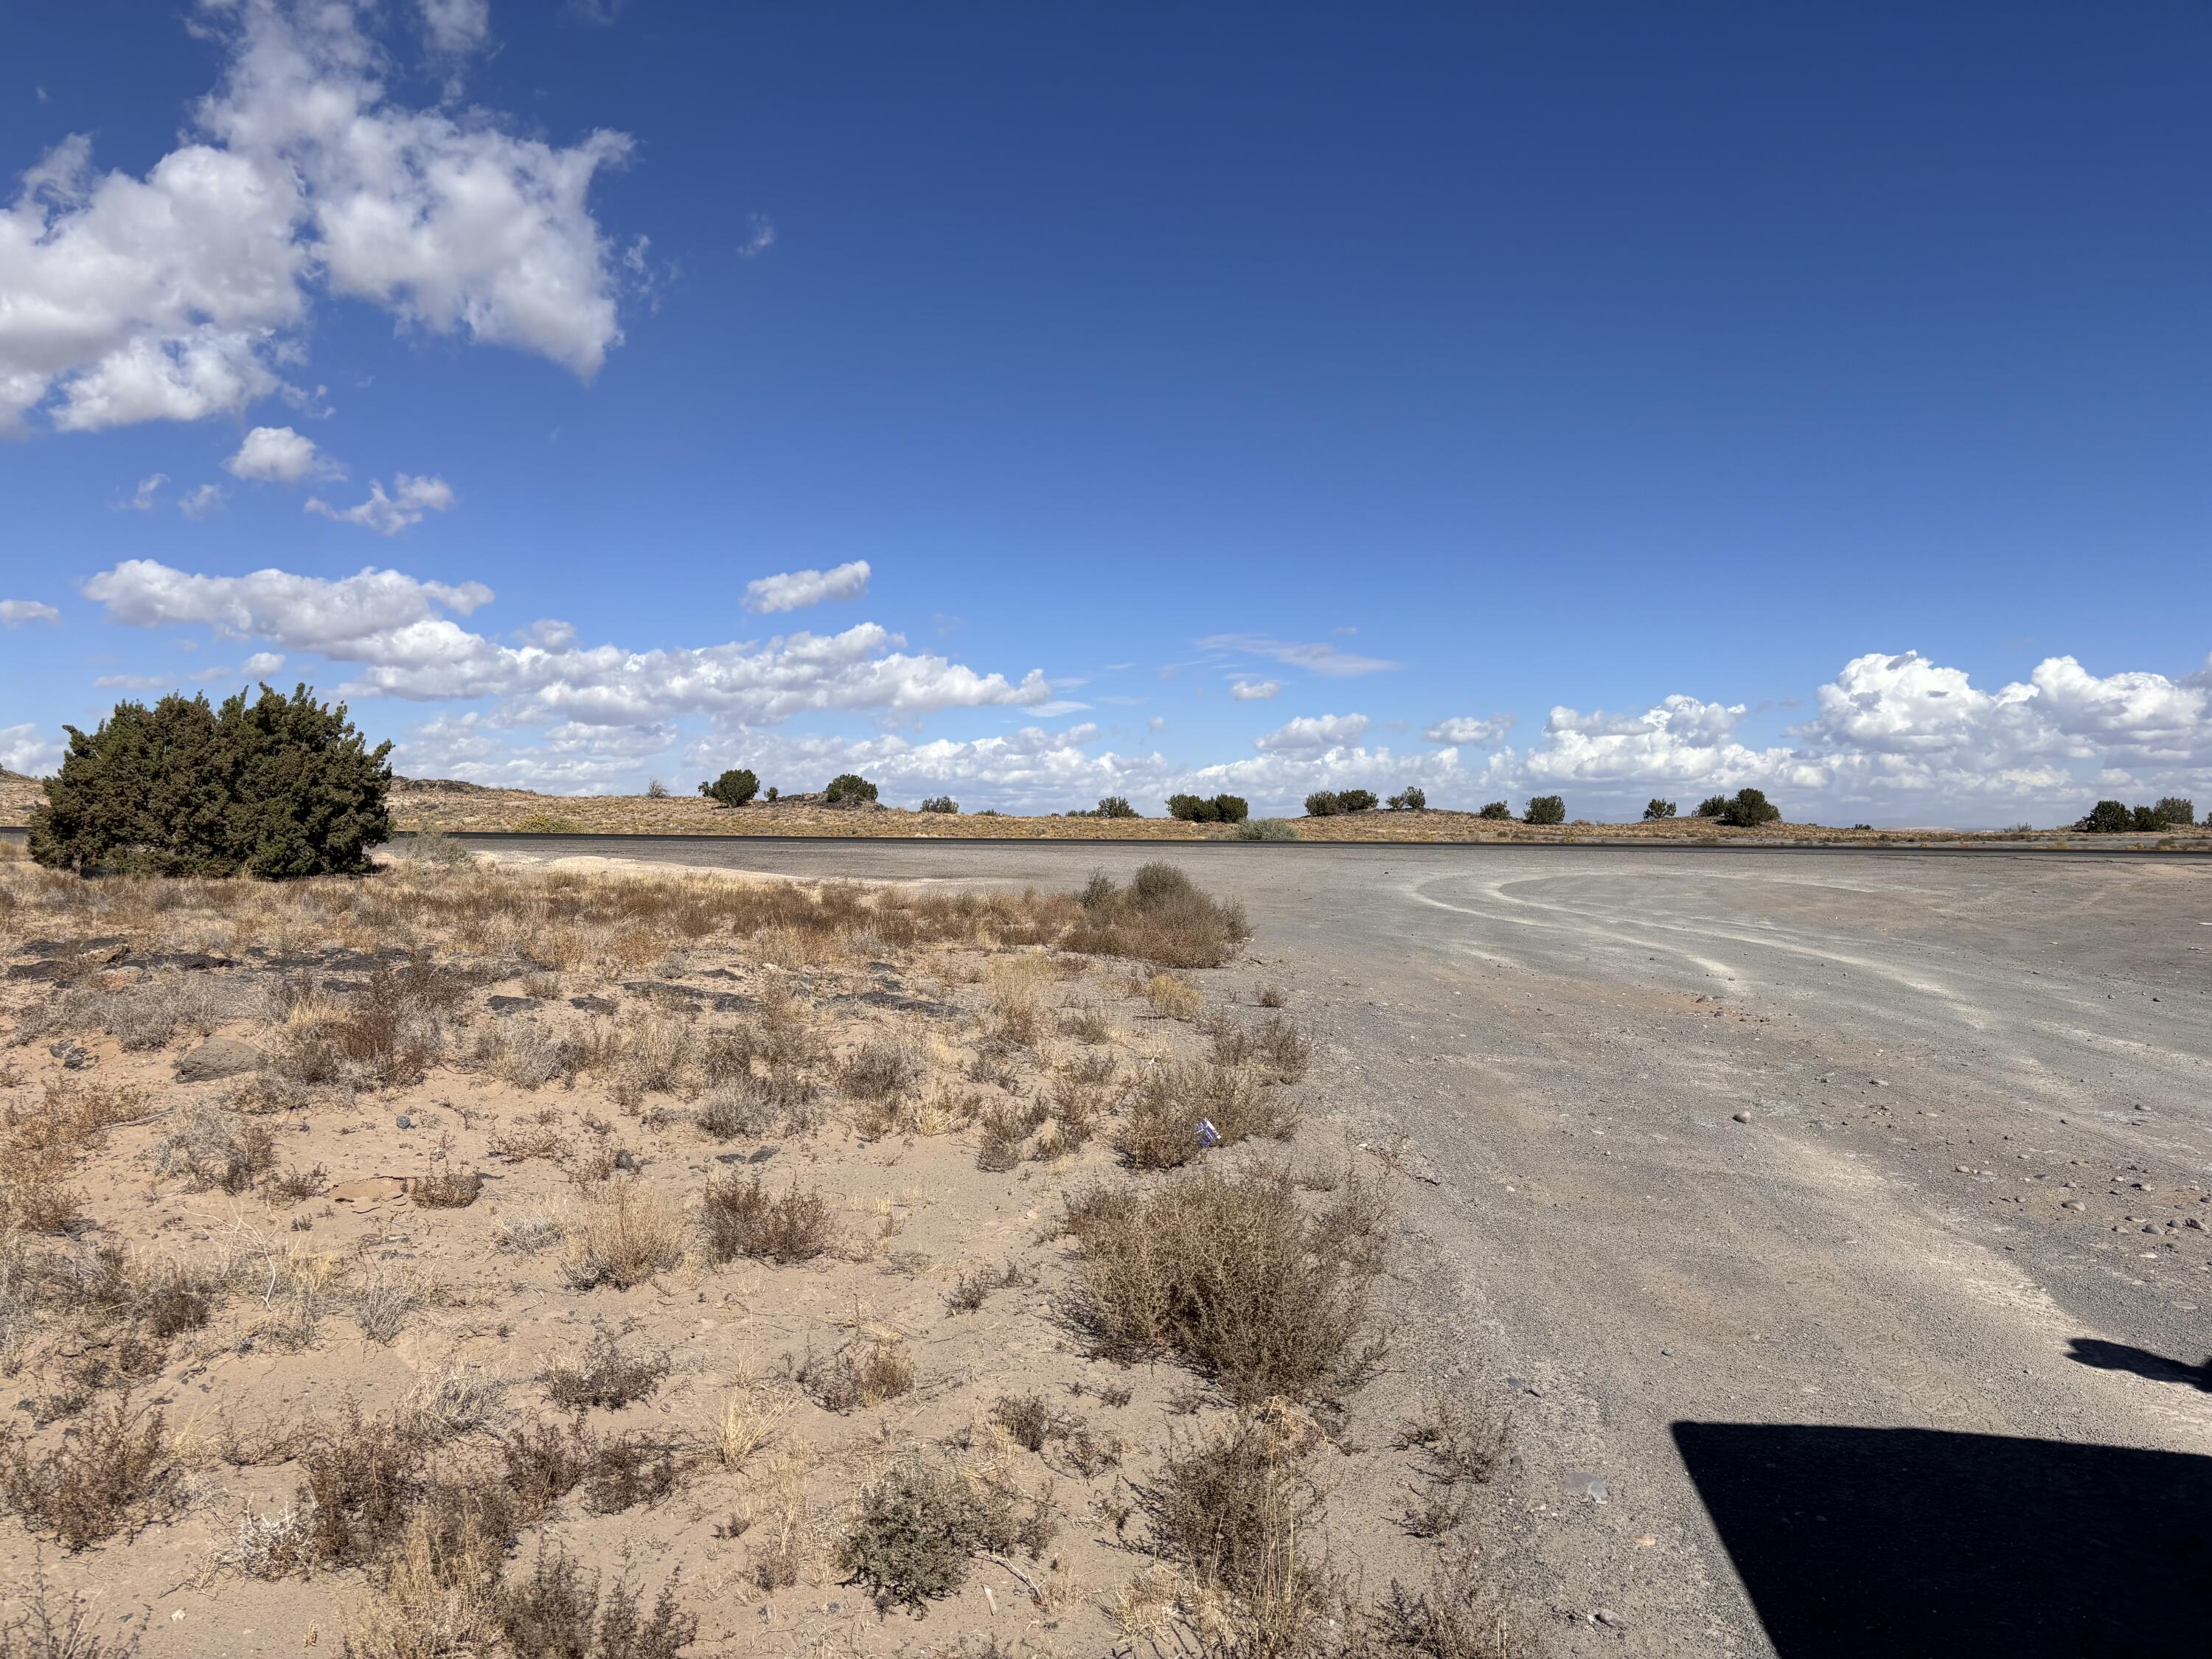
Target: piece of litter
{"x":1580,"y":1485}
{"x":1645,"y":1543}
{"x":1208,"y":1135}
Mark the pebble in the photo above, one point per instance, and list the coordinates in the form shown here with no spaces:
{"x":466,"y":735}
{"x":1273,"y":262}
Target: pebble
{"x":1608,"y":1616}
{"x":2072,"y":1204}
{"x":624,"y":1160}
{"x":1743,"y":1117}
{"x":404,"y":1121}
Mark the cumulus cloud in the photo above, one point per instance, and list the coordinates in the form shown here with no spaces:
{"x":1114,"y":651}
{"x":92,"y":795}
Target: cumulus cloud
{"x":27,"y":750}
{"x":795,"y":589}
{"x":1310,"y":734}
{"x":1470,"y":730}
{"x":1680,"y":737}
{"x":200,"y":503}
{"x":277,"y":454}
{"x":388,"y":624}
{"x":182,"y":293}
{"x":1255,"y":691}
{"x":1314,"y":657}
{"x":14,"y":613}
{"x":261,"y":664}
{"x":387,"y":515}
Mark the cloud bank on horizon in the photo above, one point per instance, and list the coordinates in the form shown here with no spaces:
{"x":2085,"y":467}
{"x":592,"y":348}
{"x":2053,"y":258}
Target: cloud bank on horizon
{"x":1893,"y":732}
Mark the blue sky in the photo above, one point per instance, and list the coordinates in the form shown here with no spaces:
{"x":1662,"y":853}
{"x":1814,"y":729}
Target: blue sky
{"x":1610,"y":401}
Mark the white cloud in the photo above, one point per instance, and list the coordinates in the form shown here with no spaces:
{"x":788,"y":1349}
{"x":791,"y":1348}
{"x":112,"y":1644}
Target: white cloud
{"x":277,"y":454}
{"x":200,"y":503}
{"x":131,"y":683}
{"x":145,"y":498}
{"x":760,"y":236}
{"x":795,"y":589}
{"x":14,"y":613}
{"x":24,"y":749}
{"x":261,"y":664}
{"x":1316,"y":658}
{"x":388,"y":623}
{"x":1680,"y":737}
{"x":1255,"y":691}
{"x":387,"y":515}
{"x":1470,"y":730}
{"x":183,"y":293}
{"x":1310,"y":734}
{"x":455,"y":28}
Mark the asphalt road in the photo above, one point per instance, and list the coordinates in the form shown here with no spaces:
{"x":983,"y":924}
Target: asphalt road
{"x":1745,"y":1181}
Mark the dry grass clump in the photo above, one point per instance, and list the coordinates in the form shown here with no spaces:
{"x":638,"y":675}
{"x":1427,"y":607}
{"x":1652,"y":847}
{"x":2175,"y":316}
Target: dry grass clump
{"x":859,"y":1375}
{"x":1160,"y":917}
{"x":1161,"y":1132}
{"x":1274,"y":1046}
{"x":113,"y":1472}
{"x":1174,"y":997}
{"x":51,"y":1627}
{"x":918,"y":1527}
{"x":741,"y":1219}
{"x":1236,"y":1507}
{"x":750,"y":1419}
{"x":973,"y":1288}
{"x":216,"y":1149}
{"x":880,"y":1071}
{"x":771,"y":1108}
{"x":623,"y":1236}
{"x":1232,"y":1274}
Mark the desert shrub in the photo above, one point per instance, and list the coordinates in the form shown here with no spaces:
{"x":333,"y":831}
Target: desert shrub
{"x":1456,"y":1617}
{"x":114,"y":1469}
{"x":656,"y":790}
{"x":761,"y":1108}
{"x":1238,"y":1509}
{"x":1355,"y":800}
{"x":999,"y":1143}
{"x":1654,"y":810}
{"x":1263,"y":830}
{"x":624,"y":1235}
{"x":916,"y":1529}
{"x":2175,"y":813}
{"x":944,"y":803}
{"x":1545,"y":808}
{"x":1114,"y":806}
{"x":605,"y":1374}
{"x":742,"y":1220}
{"x":880,"y":1071}
{"x":1712,"y":806}
{"x":547,"y":823}
{"x":1208,"y":809}
{"x":446,"y":1189}
{"x":858,"y":1374}
{"x":1274,"y":1045}
{"x":1412,"y":799}
{"x":1173,"y":996}
{"x":437,"y":1594}
{"x":1233,"y":1275}
{"x":1160,"y":917}
{"x":971,"y":1289}
{"x":213,"y":1148}
{"x":2107,"y":817}
{"x":1456,"y":1443}
{"x":628,"y":1470}
{"x":848,"y":788}
{"x":1749,"y":808}
{"x":359,"y":1479}
{"x":1324,"y":804}
{"x":560,"y":1612}
{"x":734,"y":788}
{"x":1496,"y":811}
{"x":542,"y":1465}
{"x":279,"y":787}
{"x":1161,"y":1131}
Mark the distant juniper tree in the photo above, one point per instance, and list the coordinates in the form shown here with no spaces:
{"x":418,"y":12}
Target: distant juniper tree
{"x":1749,"y":808}
{"x":2107,"y":817}
{"x":849,"y":788}
{"x":1712,"y":806}
{"x":1412,"y":799}
{"x":1654,"y":810}
{"x":1545,"y":809}
{"x":734,"y":788}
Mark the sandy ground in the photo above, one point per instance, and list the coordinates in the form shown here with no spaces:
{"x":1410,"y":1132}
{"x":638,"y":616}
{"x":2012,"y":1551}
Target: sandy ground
{"x":1835,"y":1223}
{"x":291,"y":1340}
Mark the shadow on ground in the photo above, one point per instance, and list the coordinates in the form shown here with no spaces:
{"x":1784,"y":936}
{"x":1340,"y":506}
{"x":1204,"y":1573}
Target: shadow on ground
{"x":2120,"y":1357}
{"x":1905,"y":1542}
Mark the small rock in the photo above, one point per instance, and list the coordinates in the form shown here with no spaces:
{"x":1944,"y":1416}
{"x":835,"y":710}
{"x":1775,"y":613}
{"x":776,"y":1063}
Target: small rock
{"x":1608,"y":1617}
{"x":218,"y":1057}
{"x":1743,"y":1117}
{"x":404,"y":1121}
{"x":2072,"y":1204}
{"x":625,"y":1161}
{"x":1876,"y":1083}
{"x":1961,"y":1169}
{"x":2192,"y":1221}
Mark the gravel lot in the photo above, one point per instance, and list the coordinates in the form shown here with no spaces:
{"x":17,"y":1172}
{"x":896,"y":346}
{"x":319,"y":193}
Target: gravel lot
{"x":1800,"y":1142}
